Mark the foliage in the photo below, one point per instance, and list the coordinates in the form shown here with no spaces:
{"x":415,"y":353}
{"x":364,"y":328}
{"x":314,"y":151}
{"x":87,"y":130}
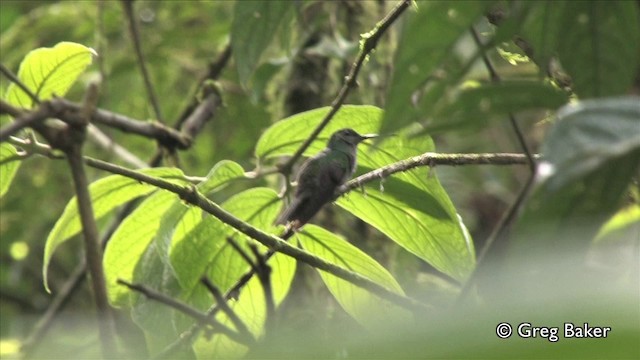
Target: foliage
{"x":411,"y":233}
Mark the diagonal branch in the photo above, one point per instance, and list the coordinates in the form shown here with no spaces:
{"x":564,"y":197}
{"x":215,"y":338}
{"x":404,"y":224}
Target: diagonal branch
{"x":190,"y":195}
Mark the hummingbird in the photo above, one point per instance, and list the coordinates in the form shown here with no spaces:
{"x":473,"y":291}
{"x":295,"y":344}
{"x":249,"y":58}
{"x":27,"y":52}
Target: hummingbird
{"x":320,"y":177}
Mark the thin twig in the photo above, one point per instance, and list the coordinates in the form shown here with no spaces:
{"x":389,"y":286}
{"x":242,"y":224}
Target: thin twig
{"x":190,"y":311}
{"x":370,"y":40}
{"x":11,"y":76}
{"x":23,"y":118}
{"x":135,"y":38}
{"x":222,"y":304}
{"x":434,"y":159}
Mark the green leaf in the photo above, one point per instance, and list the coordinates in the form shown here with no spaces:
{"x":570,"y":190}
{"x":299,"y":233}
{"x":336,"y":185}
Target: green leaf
{"x":204,"y":250}
{"x":106,"y":194}
{"x":542,"y":28}
{"x":412,"y":200}
{"x":427,"y":38}
{"x":475,"y":106}
{"x":366,"y":308}
{"x":588,"y":135}
{"x":254,"y":26}
{"x":598,"y":46}
{"x":8,"y":167}
{"x":129,"y":243}
{"x":49,"y":72}
{"x":284,"y":137}
{"x":220,"y":175}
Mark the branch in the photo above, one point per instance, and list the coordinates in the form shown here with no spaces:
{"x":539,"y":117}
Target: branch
{"x":190,"y":195}
{"x":69,"y":111}
{"x":433,"y":159}
{"x":135,"y":38}
{"x":23,"y":118}
{"x":190,"y":311}
{"x":369,"y":42}
{"x":93,"y":251}
{"x":222,"y":304}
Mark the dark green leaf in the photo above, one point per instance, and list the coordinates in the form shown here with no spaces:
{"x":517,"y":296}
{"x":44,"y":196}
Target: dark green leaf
{"x":253,"y":28}
{"x":475,"y":106}
{"x":427,"y":38}
{"x":598,"y":46}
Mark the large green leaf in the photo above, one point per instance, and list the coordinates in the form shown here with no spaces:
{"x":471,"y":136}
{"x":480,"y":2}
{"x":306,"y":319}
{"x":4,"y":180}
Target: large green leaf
{"x":129,"y":243}
{"x":8,"y":166}
{"x":204,"y":250}
{"x":106,"y":194}
{"x":254,"y":26}
{"x":368,"y":309}
{"x":427,"y":38}
{"x":157,"y":216}
{"x":598,"y":46}
{"x":413,"y":209}
{"x":49,"y":72}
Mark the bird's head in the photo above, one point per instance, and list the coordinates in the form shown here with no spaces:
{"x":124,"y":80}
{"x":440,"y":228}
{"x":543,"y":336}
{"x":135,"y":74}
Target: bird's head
{"x":347,"y":137}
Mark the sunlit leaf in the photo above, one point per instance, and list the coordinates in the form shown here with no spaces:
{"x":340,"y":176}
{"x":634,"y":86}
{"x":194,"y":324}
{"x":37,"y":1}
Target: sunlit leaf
{"x":49,"y":72}
{"x":129,"y":243}
{"x":106,"y":194}
{"x":363,"y":306}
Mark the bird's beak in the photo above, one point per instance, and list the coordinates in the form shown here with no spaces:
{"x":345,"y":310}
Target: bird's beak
{"x":368,"y":136}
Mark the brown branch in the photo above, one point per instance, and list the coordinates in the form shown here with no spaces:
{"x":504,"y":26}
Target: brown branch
{"x":190,"y":311}
{"x":369,"y":42}
{"x":93,"y":251}
{"x":69,"y":111}
{"x":23,"y":118}
{"x":135,"y":38}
